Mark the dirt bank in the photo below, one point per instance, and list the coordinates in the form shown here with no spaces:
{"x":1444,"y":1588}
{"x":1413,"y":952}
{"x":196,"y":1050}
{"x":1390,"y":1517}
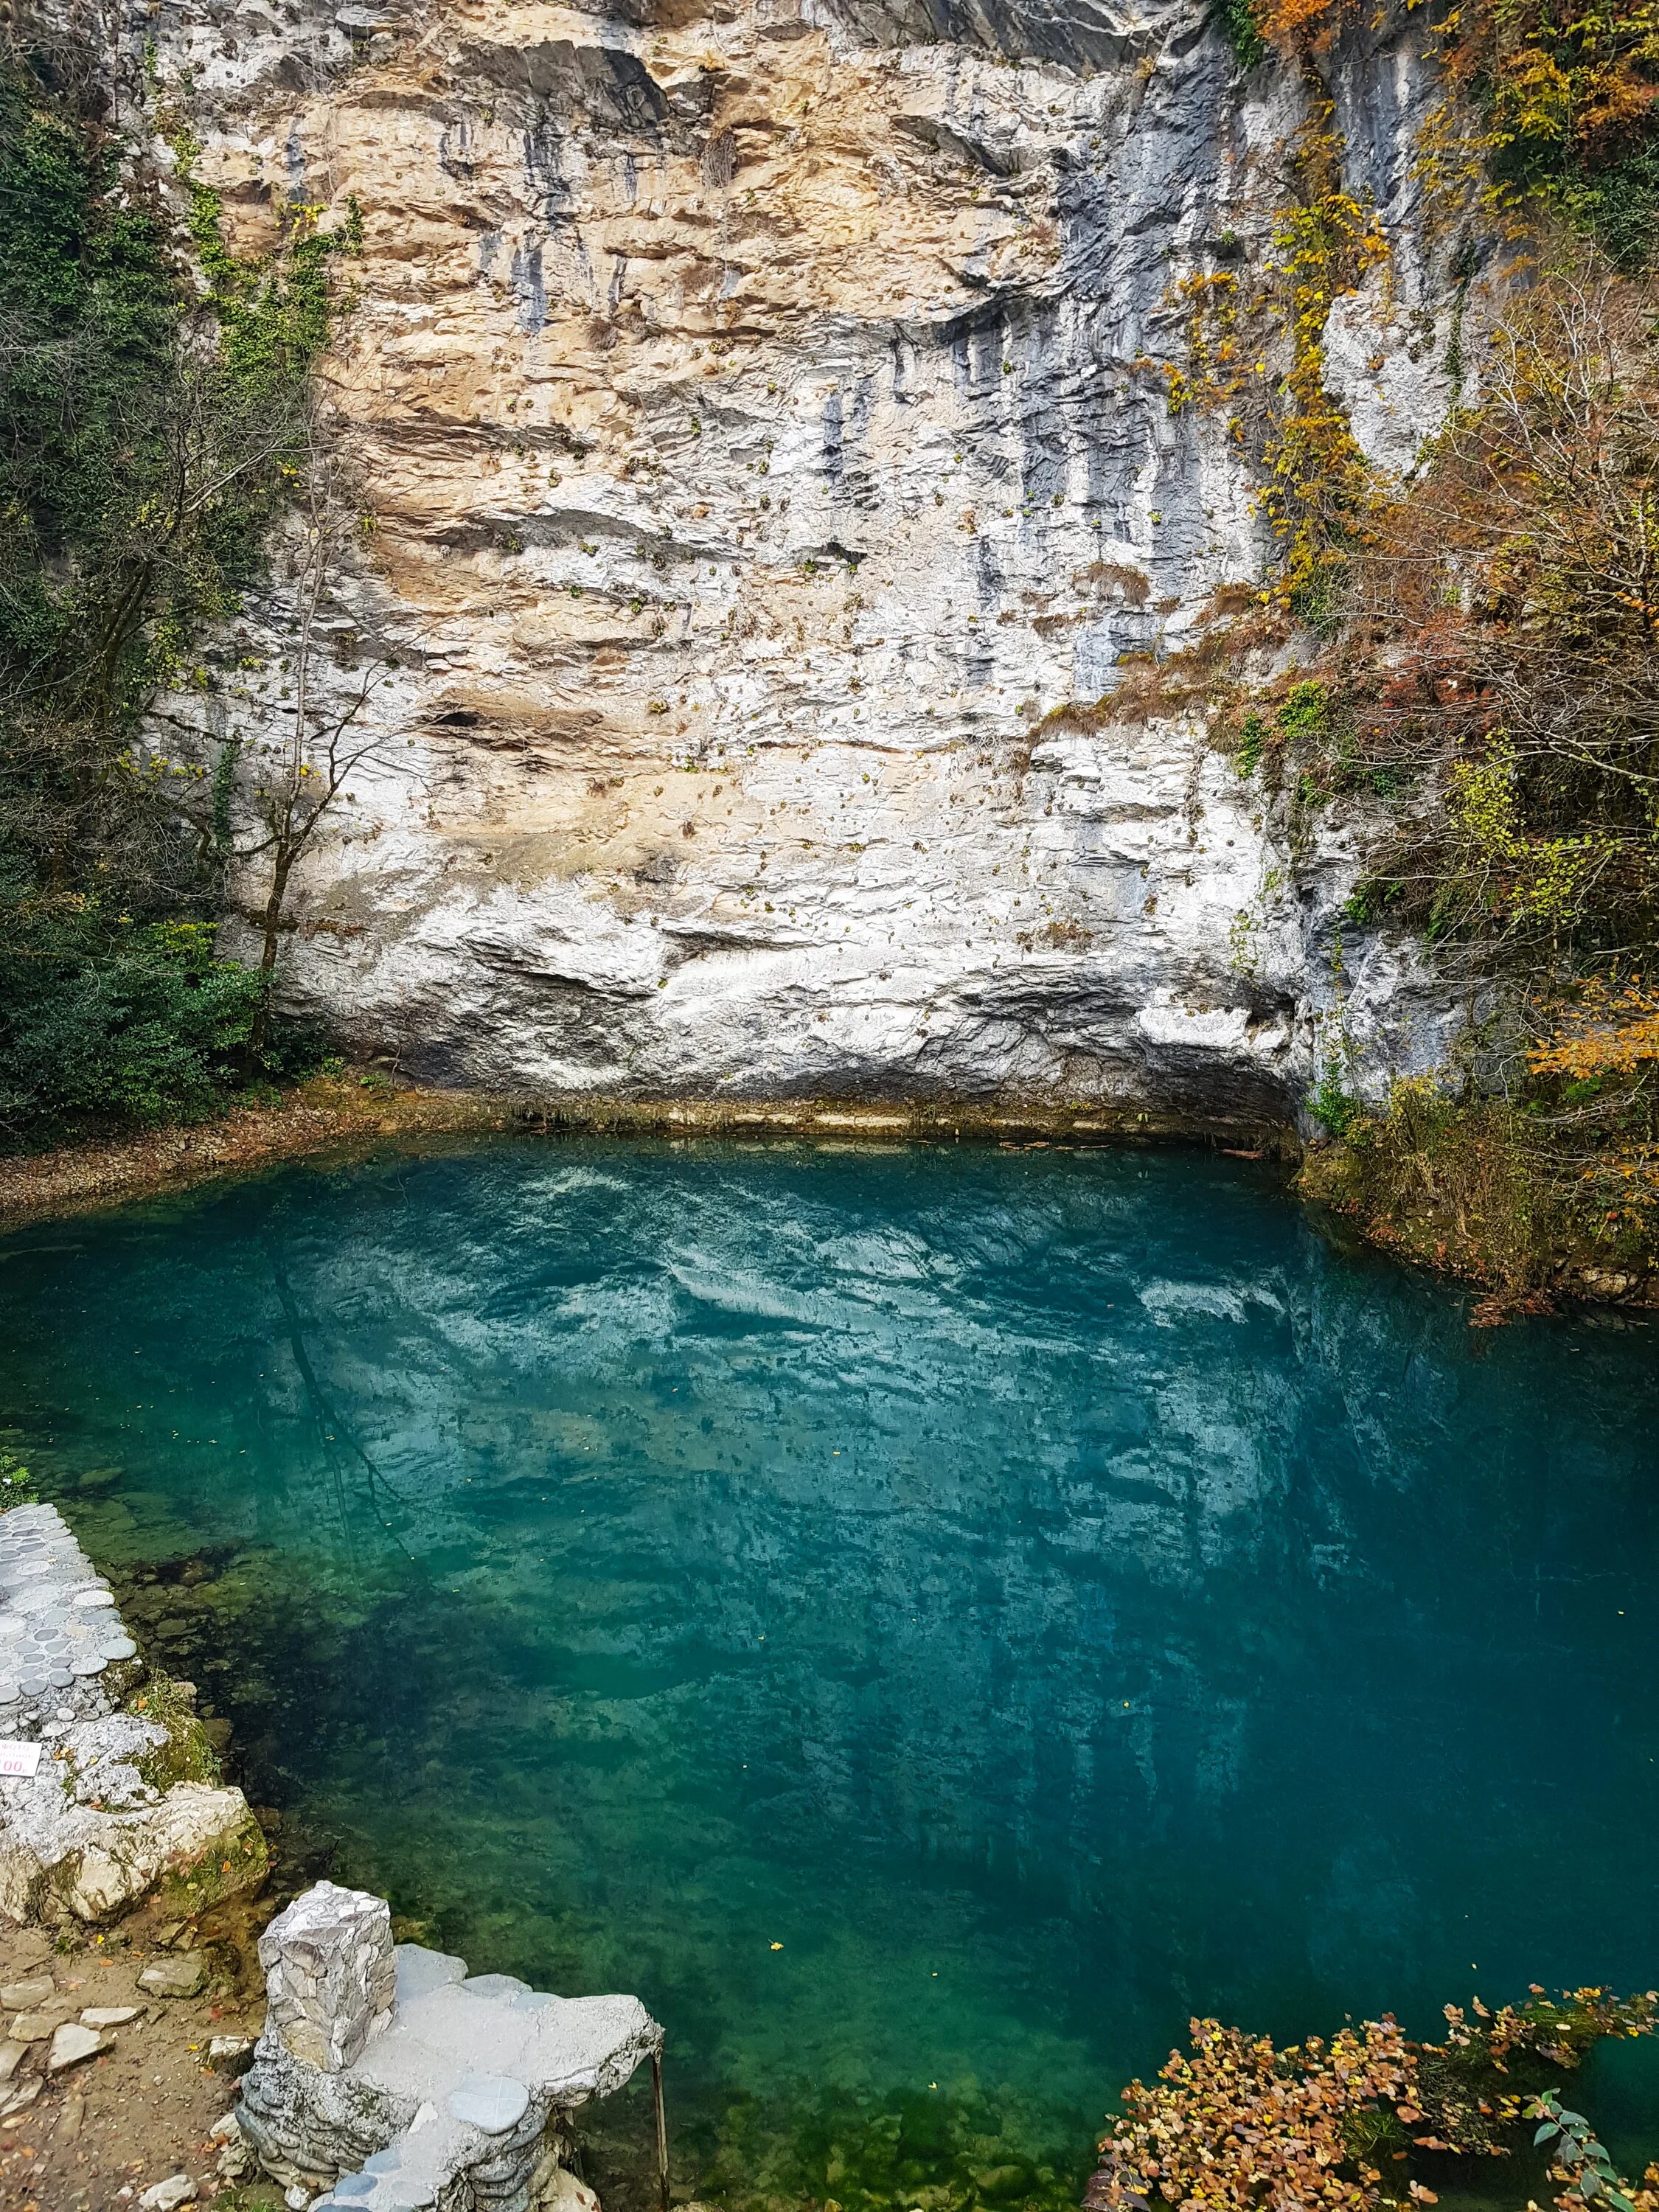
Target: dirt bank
{"x":333,"y":1112}
{"x":327,"y":1112}
{"x":96,"y":2135}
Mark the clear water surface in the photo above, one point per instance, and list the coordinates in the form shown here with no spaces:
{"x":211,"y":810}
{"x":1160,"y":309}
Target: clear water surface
{"x":927,"y":1621}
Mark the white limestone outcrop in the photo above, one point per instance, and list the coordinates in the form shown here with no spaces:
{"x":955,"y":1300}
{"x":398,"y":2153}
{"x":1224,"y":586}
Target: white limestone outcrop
{"x":762,"y":428}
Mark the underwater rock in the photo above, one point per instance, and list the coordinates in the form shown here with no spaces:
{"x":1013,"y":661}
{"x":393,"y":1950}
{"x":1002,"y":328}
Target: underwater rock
{"x":559,"y":2191}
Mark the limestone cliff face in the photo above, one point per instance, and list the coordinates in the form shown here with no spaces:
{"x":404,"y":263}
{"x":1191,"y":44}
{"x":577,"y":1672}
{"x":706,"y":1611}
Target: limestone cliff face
{"x":761,"y":427}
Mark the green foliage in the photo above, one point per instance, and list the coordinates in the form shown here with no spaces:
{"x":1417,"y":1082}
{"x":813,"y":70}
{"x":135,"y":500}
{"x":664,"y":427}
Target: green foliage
{"x":93,"y":301}
{"x":1304,"y":727}
{"x":1237,"y":18}
{"x":1582,"y":2161}
{"x":1333,"y":1106}
{"x":274,"y":314}
{"x":1372,"y":900}
{"x":17,"y":1484}
{"x":186,"y":1755}
{"x":135,"y":1022}
{"x":1605,"y":184}
{"x":1620,"y":207}
{"x":148,"y":439}
{"x":1465,"y":1185}
{"x":1305,"y":717}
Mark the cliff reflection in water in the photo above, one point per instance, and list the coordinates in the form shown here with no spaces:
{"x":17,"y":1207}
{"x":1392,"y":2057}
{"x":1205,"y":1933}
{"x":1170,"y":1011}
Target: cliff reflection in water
{"x":1045,"y":1594}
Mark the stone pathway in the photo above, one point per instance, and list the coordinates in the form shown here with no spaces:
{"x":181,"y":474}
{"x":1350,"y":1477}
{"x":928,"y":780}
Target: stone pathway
{"x":59,"y":1630}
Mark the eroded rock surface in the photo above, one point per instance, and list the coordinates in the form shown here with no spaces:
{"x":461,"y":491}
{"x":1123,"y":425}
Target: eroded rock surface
{"x":123,"y":1801}
{"x":762,"y":423}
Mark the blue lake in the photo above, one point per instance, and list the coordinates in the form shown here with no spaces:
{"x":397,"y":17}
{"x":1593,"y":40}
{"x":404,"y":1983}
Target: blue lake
{"x":927,"y":1621}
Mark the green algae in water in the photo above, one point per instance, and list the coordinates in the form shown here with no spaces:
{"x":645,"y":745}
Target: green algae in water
{"x":928,"y":1621}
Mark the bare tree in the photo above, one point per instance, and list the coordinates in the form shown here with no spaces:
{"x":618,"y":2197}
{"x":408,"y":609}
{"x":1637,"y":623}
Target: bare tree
{"x":291,"y":774}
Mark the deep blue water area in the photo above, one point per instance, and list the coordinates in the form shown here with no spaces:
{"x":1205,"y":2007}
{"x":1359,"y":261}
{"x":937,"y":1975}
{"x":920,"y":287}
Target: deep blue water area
{"x":926,"y":1619}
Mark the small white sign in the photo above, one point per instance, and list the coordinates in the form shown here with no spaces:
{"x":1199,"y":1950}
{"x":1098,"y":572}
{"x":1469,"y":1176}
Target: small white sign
{"x":19,"y":1758}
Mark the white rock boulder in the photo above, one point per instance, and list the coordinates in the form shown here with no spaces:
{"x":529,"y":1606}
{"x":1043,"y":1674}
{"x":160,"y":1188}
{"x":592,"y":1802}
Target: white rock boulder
{"x":89,"y":1834}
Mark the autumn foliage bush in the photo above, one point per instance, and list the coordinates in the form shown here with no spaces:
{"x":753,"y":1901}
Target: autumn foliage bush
{"x":1239,"y":2123}
{"x":1498,"y":680}
{"x":1551,"y":105}
{"x":1503,"y":641}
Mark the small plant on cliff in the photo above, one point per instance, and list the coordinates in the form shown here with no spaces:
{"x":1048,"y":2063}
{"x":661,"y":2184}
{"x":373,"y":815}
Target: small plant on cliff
{"x":1243,"y":33}
{"x":1333,"y":1105}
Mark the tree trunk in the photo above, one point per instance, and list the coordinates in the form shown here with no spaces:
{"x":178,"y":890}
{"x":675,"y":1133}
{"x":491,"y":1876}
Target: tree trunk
{"x":258,"y":1035}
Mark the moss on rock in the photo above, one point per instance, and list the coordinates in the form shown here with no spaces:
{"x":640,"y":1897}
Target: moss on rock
{"x":187,"y":1755}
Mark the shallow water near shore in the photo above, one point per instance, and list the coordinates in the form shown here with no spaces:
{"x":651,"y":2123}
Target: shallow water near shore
{"x":926,"y":1619}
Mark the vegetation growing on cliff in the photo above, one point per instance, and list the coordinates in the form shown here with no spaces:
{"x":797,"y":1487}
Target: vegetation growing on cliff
{"x":147,"y":438}
{"x":1494,"y":681}
{"x":1487,"y":649}
{"x":1562,"y":105}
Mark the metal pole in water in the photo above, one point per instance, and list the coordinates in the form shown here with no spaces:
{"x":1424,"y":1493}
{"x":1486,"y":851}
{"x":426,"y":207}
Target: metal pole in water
{"x":662,"y":2128}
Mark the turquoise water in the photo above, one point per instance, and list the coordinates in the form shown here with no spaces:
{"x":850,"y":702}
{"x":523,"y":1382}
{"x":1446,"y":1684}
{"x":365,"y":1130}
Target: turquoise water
{"x":927,"y":1621}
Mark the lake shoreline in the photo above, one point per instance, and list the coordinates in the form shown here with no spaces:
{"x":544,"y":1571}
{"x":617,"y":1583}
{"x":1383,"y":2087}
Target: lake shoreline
{"x":330,"y":1114}
{"x":323,"y":1114}
{"x":358,"y":1109}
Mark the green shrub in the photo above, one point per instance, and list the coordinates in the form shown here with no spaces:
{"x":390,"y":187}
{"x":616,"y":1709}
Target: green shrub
{"x":1252,"y":743}
{"x":1335,"y":1109}
{"x":144,"y":1026}
{"x":17,"y":1484}
{"x":1465,"y":1185}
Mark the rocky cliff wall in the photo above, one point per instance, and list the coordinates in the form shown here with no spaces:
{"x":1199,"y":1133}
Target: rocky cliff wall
{"x":762,"y":426}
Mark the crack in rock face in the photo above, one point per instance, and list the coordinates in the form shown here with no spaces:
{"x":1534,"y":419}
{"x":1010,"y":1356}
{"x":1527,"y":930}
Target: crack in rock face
{"x":757,"y":413}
